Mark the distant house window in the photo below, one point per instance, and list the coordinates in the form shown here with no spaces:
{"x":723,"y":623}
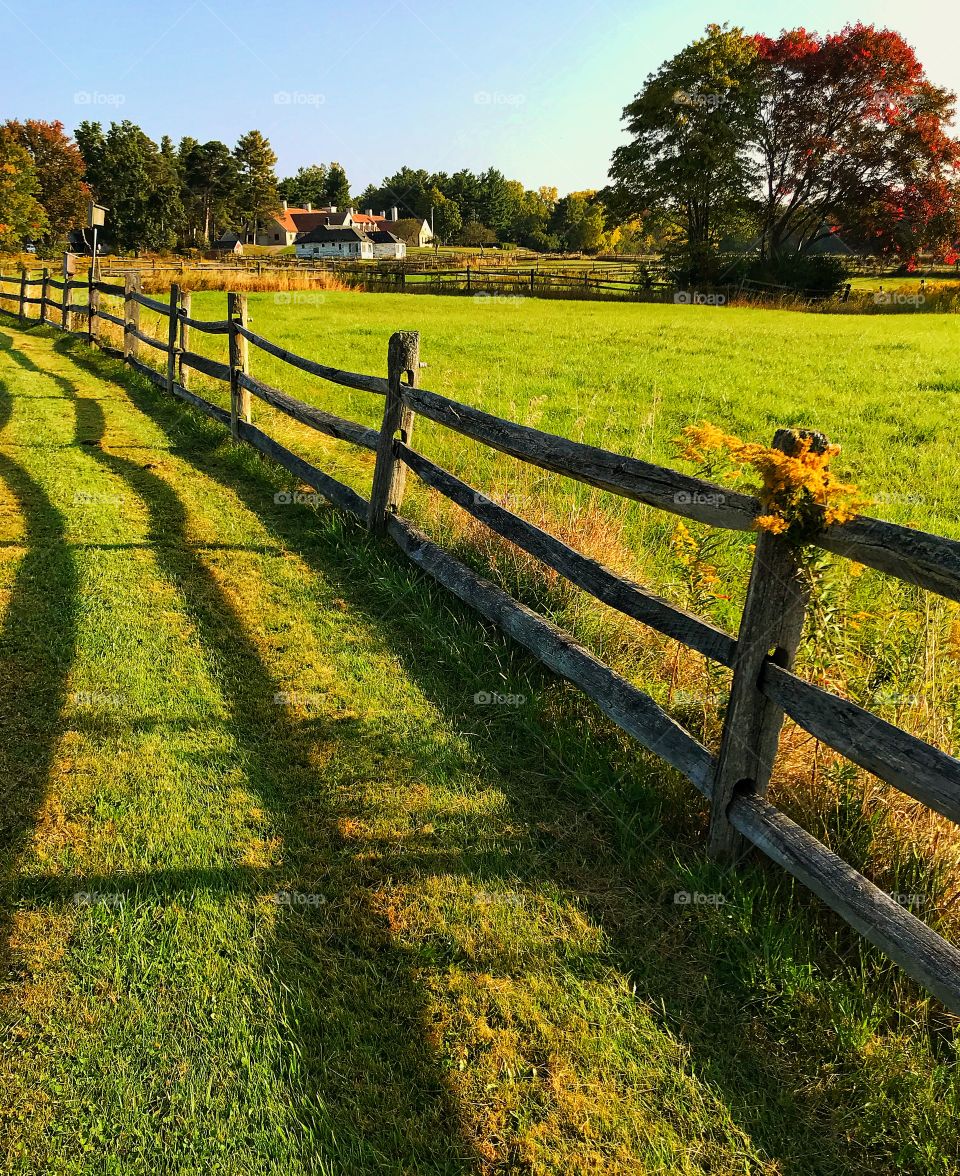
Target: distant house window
{"x":276,"y":236}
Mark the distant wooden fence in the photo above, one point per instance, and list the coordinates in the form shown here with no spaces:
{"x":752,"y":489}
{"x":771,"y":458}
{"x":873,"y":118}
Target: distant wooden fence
{"x":761,"y":656}
{"x":645,"y":281}
{"x":501,"y":281}
{"x":415,"y":276}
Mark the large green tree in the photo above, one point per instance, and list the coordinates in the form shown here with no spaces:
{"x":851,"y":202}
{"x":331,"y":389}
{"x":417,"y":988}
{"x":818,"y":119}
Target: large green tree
{"x":337,"y":188}
{"x":210,"y":180}
{"x":578,"y":222}
{"x":465,"y":188}
{"x":256,"y":194}
{"x":447,"y":220}
{"x":126,"y":173}
{"x":493,"y":207}
{"x":308,"y":186}
{"x":166,"y":201}
{"x":689,"y":157}
{"x":407,"y":190}
{"x":530,"y":211}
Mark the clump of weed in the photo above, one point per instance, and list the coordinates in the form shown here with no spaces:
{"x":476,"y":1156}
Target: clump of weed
{"x":799,"y":492}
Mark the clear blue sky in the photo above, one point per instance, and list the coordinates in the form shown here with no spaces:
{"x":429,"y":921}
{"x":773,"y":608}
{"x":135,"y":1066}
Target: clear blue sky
{"x":535,"y":89}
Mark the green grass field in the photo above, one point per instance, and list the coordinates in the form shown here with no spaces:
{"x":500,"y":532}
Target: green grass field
{"x":211,"y":700}
{"x":630,"y":377}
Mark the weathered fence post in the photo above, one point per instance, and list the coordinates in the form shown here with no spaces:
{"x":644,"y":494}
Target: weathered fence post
{"x":44,"y":295}
{"x":131,"y":315}
{"x":184,"y":370}
{"x":173,"y":327}
{"x":389,"y":474}
{"x":770,"y":630}
{"x":239,"y":362}
{"x":93,"y":302}
{"x":23,"y":295}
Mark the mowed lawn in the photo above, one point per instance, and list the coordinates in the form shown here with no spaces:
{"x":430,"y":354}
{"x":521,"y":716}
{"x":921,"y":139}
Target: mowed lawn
{"x":278,"y":896}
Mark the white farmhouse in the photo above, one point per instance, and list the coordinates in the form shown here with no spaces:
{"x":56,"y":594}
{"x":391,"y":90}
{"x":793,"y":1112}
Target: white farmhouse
{"x":345,"y":243}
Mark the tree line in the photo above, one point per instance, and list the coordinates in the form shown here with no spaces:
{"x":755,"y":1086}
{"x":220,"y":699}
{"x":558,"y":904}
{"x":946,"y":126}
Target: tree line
{"x":186,"y":195}
{"x":484,"y":208}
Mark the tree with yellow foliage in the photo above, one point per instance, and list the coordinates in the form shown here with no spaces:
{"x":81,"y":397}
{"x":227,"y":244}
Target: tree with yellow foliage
{"x":22,"y":218}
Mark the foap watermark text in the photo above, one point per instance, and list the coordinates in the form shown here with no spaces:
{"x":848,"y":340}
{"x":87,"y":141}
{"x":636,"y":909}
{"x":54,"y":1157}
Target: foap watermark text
{"x":492,"y":698}
{"x":698,"y":298}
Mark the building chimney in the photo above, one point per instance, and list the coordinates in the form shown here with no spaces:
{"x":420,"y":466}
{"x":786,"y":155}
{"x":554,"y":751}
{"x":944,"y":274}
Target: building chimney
{"x":332,"y":208}
{"x":309,"y":206}
{"x":369,"y":212}
{"x":284,"y":206}
{"x":393,"y":213}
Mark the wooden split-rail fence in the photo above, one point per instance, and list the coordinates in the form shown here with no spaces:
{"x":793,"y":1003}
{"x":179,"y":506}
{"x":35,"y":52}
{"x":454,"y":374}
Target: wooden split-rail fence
{"x":761,"y":656}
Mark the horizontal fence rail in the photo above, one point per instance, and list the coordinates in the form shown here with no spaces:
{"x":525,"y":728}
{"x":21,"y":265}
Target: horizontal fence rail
{"x":628,"y":476}
{"x":316,"y":418}
{"x":593,"y":577}
{"x":900,"y":759}
{"x":765,"y":688}
{"x":348,"y":379}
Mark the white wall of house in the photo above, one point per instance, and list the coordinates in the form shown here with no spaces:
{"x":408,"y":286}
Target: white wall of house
{"x":342,"y":249}
{"x":390,"y":249}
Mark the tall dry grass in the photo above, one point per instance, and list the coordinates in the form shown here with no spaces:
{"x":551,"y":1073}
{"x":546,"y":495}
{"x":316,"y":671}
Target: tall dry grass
{"x":240,"y":281}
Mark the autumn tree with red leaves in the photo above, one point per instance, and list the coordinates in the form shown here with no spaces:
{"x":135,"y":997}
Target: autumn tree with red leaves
{"x":851,"y":133}
{"x":59,"y":170}
{"x":803,"y":135}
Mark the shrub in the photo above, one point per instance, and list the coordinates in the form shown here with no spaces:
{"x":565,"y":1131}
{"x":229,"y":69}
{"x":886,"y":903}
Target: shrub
{"x":701,"y":266}
{"x":818,"y":275}
{"x":541,"y":241}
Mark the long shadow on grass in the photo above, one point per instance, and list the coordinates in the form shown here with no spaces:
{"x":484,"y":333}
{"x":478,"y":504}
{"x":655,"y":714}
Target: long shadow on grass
{"x":725,"y":979}
{"x":37,"y":645}
{"x":373,"y":1095}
